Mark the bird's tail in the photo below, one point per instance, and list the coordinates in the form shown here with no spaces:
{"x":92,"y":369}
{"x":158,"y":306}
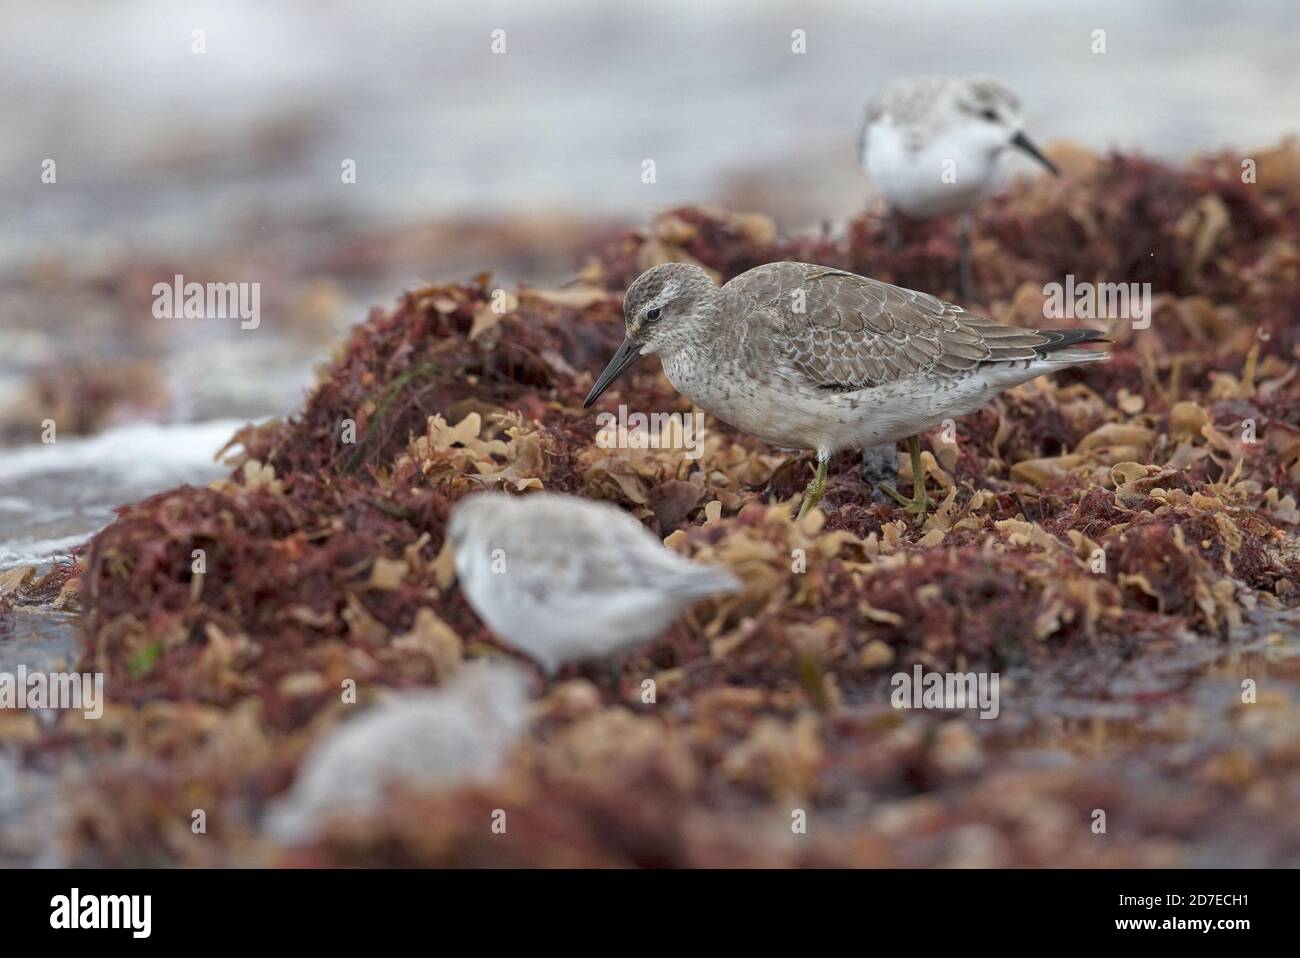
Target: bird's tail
{"x":1060,"y":347}
{"x":1077,"y":357}
{"x":704,"y":580}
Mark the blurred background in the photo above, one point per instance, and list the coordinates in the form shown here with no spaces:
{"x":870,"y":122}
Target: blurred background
{"x":225,"y":166}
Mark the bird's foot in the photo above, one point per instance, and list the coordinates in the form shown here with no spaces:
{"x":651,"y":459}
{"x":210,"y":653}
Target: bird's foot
{"x":918,"y":505}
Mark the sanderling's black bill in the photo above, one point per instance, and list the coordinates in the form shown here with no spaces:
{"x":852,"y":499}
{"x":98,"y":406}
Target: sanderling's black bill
{"x":1026,"y":144}
{"x":627,"y":354}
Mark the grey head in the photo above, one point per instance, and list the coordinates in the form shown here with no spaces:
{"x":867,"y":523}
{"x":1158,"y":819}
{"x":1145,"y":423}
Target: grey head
{"x":987,"y":99}
{"x":474,"y":513}
{"x":664,"y":310}
{"x":987,"y":106}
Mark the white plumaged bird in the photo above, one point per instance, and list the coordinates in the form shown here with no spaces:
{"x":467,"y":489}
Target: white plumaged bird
{"x":935,"y":145}
{"x":565,"y":579}
{"x":436,"y":738}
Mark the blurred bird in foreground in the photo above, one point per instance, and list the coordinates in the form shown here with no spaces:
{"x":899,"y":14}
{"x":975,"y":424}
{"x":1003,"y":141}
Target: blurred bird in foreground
{"x":808,"y":357}
{"x":565,"y":579}
{"x":935,"y":145}
{"x":435,"y":738}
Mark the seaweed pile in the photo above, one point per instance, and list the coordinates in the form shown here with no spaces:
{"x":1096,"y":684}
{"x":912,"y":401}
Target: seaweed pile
{"x":1117,"y":540}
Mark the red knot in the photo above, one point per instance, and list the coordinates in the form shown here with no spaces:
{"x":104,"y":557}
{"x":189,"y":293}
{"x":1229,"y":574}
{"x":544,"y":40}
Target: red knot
{"x":809,"y":357}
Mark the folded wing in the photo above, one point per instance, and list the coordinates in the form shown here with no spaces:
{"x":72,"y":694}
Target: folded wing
{"x":839,"y":331}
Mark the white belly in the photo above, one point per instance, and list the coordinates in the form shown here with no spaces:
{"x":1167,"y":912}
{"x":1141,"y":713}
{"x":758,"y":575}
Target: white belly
{"x":802,"y":418}
{"x":559,"y":628}
{"x":947,"y":175}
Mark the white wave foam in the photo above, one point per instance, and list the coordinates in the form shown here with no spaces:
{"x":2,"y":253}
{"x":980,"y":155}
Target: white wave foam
{"x":70,"y":487}
{"x":37,"y":551}
{"x":136,"y":453}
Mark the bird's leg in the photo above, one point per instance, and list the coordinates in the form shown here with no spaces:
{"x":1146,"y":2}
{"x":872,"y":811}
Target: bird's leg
{"x":614,"y":672}
{"x":893,"y":233}
{"x":918,"y":477}
{"x":813,"y":494}
{"x":967,"y":275}
{"x":880,"y":468}
{"x":919,"y":503}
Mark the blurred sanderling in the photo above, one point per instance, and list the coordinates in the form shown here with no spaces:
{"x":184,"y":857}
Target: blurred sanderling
{"x":935,"y":145}
{"x":566,"y":579}
{"x":433,"y":739}
{"x":808,"y":357}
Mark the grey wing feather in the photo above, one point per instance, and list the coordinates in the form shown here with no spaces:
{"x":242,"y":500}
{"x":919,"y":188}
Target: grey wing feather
{"x":853,"y":332}
{"x":576,"y":557}
{"x":599,"y":552}
{"x":649,"y":562}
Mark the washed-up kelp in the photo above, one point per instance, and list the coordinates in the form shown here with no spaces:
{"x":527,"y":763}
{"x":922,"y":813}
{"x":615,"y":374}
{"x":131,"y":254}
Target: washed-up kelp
{"x":1118,"y":513}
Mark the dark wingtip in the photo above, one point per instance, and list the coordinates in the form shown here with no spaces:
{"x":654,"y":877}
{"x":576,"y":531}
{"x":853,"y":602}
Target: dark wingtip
{"x":1065,"y":338}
